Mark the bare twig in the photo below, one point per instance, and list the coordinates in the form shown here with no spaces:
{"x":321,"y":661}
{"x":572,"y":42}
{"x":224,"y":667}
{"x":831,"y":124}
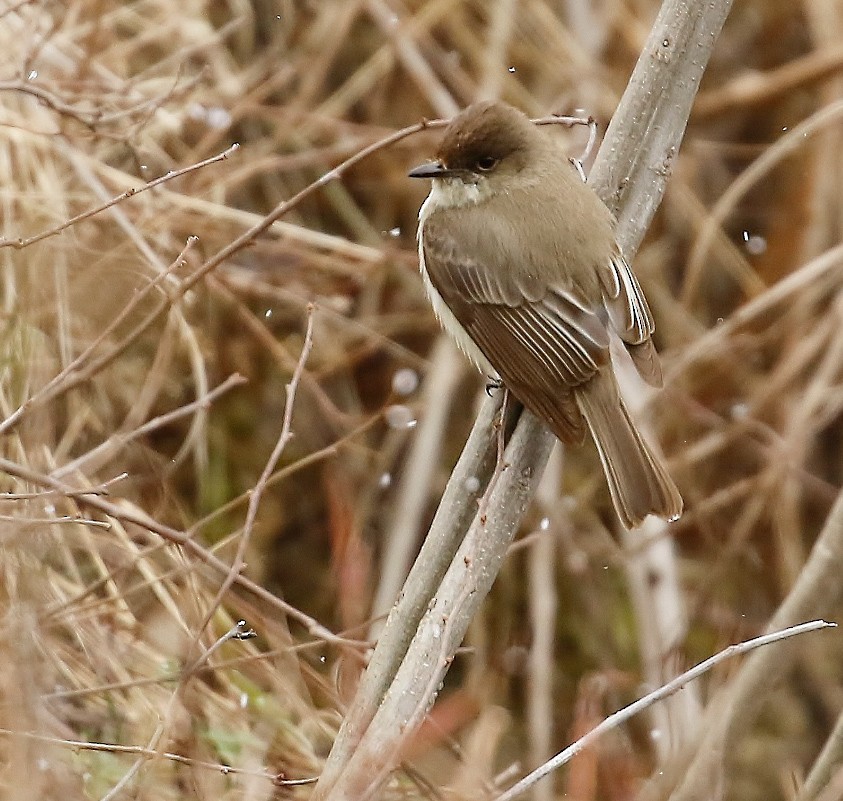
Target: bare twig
{"x":238,"y":563}
{"x":790,"y":142}
{"x":138,"y":518}
{"x":816,"y":591}
{"x":622,"y":715}
{"x":285,"y":472}
{"x":83,"y":366}
{"x":150,"y":751}
{"x":442,"y":627}
{"x":20,"y":242}
{"x":84,"y":521}
{"x":119,"y":440}
{"x":755,"y":89}
{"x":402,"y":531}
{"x":456,"y":510}
{"x":98,"y":489}
{"x":238,"y":632}
{"x":114,"y":748}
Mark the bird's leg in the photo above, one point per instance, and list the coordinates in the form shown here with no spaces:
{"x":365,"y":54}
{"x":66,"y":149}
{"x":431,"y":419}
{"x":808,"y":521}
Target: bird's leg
{"x":501,"y":430}
{"x":493,"y":384}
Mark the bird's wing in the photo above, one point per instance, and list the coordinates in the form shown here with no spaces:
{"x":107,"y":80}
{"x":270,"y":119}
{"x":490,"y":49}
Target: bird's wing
{"x":543,"y":340}
{"x":625,"y":302}
{"x":630,"y":316}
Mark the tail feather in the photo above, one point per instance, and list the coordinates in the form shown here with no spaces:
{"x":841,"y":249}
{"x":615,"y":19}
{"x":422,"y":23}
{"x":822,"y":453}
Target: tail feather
{"x":638,"y":482}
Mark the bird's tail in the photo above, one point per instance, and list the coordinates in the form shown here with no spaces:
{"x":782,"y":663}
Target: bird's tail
{"x":638,"y":481}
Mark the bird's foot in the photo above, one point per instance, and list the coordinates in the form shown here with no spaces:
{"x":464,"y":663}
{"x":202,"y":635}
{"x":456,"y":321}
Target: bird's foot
{"x":492,"y":385}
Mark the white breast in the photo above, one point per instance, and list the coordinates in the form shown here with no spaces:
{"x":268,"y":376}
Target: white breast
{"x":435,"y":200}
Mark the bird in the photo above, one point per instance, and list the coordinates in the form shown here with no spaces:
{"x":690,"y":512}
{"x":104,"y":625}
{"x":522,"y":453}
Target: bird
{"x":520,"y":262}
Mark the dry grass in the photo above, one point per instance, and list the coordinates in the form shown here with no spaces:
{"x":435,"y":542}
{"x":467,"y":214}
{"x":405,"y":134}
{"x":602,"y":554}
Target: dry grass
{"x":131,"y":447}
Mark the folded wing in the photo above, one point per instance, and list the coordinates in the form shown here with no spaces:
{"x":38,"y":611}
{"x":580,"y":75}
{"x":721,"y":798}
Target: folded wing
{"x":543,"y":341}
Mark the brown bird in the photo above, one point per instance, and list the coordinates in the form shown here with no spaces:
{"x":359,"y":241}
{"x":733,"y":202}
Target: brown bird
{"x":520,"y":263}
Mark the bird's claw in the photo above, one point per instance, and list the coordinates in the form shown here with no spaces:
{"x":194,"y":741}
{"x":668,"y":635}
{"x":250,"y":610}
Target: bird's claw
{"x":493,"y":384}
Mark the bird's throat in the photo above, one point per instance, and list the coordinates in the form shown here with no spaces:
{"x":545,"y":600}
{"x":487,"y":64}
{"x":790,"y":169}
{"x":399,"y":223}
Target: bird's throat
{"x":451,"y":193}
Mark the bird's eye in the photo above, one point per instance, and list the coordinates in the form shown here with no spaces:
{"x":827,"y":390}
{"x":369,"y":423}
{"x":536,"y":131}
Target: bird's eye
{"x":487,"y":163}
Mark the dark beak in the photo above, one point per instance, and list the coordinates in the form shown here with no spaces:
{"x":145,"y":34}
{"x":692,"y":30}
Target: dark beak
{"x":433,"y":169}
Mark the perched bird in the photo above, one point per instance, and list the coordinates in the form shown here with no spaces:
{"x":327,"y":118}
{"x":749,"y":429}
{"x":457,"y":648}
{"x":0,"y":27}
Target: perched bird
{"x":519,"y":260}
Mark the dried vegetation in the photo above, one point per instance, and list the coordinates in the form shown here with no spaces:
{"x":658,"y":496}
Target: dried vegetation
{"x":132,"y":446}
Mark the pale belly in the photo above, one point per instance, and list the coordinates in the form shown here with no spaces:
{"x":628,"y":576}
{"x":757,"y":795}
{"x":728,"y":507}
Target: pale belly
{"x":445,"y":316}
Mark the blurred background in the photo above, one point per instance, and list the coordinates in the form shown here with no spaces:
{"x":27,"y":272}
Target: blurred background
{"x":110,"y":350}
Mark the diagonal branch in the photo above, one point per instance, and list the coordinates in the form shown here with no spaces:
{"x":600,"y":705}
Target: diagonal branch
{"x":673,"y":686}
{"x":630,"y":175}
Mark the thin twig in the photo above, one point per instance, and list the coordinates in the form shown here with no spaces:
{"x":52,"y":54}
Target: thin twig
{"x":113,"y":748}
{"x":457,"y":508}
{"x":238,"y":563}
{"x":622,"y":715}
{"x":186,"y":541}
{"x":238,"y":632}
{"x":789,"y":143}
{"x":285,"y":472}
{"x":72,"y":375}
{"x":119,"y":440}
{"x":455,"y":600}
{"x":84,"y":521}
{"x":98,"y":489}
{"x":19,"y":243}
{"x":150,"y":751}
{"x":754,"y":89}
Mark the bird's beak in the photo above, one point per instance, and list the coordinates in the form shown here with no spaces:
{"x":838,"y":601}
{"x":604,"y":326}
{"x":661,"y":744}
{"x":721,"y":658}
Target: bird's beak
{"x":433,"y":169}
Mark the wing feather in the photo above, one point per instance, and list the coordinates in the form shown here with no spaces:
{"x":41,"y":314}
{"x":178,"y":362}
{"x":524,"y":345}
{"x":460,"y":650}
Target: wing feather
{"x":629,"y":313}
{"x":543,"y":342}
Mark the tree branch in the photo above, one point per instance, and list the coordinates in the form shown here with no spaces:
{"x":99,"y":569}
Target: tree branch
{"x":630,"y":174}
